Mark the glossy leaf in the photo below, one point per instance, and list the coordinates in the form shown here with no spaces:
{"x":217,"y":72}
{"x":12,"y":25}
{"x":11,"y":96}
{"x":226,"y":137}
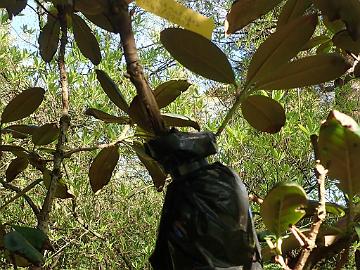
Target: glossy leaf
{"x":243,"y":12}
{"x":280,"y":47}
{"x":49,"y":39}
{"x":62,"y":190}
{"x":333,"y":26}
{"x":263,"y":113}
{"x":107,"y":118}
{"x":306,"y":71}
{"x":23,"y":105}
{"x":85,"y":40}
{"x":293,"y":9}
{"x":17,"y":166}
{"x":155,"y":170}
{"x":111,"y":90}
{"x":167,"y":92}
{"x":176,"y":120}
{"x":19,"y":131}
{"x":198,"y":54}
{"x":102,"y":167}
{"x":282,"y":207}
{"x":339,"y":147}
{"x":344,"y":41}
{"x":16,"y":243}
{"x":45,"y":134}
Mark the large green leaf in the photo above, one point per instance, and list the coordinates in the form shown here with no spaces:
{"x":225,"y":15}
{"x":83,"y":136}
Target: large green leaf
{"x":85,"y":40}
{"x":49,"y":39}
{"x":198,"y":54}
{"x":155,"y":170}
{"x":243,"y":12}
{"x":176,"y":120}
{"x":17,"y":166}
{"x":344,"y":41}
{"x":292,"y":9}
{"x":263,"y":113}
{"x":280,"y":47}
{"x":339,"y":147}
{"x":102,"y":167}
{"x":111,"y":90}
{"x":36,"y":237}
{"x":62,"y":191}
{"x":304,"y":72}
{"x":107,"y":118}
{"x":167,"y":92}
{"x":23,"y":104}
{"x":45,"y":134}
{"x":282,"y":207}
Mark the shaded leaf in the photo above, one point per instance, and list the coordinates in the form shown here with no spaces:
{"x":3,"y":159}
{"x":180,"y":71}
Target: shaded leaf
{"x":339,"y":147}
{"x":49,"y":39}
{"x":102,"y":167}
{"x":176,"y":120}
{"x":102,"y":21}
{"x":280,"y":47}
{"x":19,"y":131}
{"x":62,"y":190}
{"x":357,"y":70}
{"x":36,"y":237}
{"x":138,"y":114}
{"x":167,"y":92}
{"x":331,"y":208}
{"x":45,"y":134}
{"x":306,"y":71}
{"x":111,"y":90}
{"x":243,"y":12}
{"x":198,"y":54}
{"x":107,"y":118}
{"x":12,"y":148}
{"x":315,"y":41}
{"x":155,"y":170}
{"x":293,"y":9}
{"x":85,"y":40}
{"x":17,"y":166}
{"x":263,"y":113}
{"x":91,"y":7}
{"x":23,"y":104}
{"x":344,"y":41}
{"x":13,"y":7}
{"x":282,"y":207}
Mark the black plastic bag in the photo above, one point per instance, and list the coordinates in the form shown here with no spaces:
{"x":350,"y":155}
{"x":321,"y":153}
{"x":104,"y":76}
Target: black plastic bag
{"x":206,"y":222}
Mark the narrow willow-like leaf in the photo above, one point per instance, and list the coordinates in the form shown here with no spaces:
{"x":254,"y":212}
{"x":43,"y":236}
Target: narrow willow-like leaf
{"x":17,"y":166}
{"x":306,"y":71}
{"x":45,"y":134}
{"x":85,"y":40}
{"x":198,"y":54}
{"x":243,"y":12}
{"x":291,"y":10}
{"x":263,"y":113}
{"x":344,"y":41}
{"x":167,"y":92}
{"x":111,"y":90}
{"x":62,"y":190}
{"x":107,"y":118}
{"x":23,"y":105}
{"x":282,"y":207}
{"x":102,"y":167}
{"x":339,"y":148}
{"x":280,"y":47}
{"x":49,"y":39}
{"x":176,"y":120}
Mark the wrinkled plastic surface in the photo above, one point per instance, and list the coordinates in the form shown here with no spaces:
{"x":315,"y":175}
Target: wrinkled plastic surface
{"x":205,"y":222}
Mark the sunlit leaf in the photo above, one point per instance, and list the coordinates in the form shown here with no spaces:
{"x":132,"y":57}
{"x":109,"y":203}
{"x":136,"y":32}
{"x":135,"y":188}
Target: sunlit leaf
{"x":49,"y":39}
{"x":102,"y":167}
{"x":292,"y":9}
{"x":107,"y":118}
{"x":23,"y":105}
{"x":339,"y":147}
{"x":62,"y":191}
{"x":344,"y":41}
{"x":176,"y":120}
{"x":280,"y":47}
{"x":198,"y":54}
{"x":263,"y":113}
{"x":17,"y":166}
{"x":167,"y":92}
{"x":85,"y":40}
{"x":282,"y":207}
{"x":306,"y":71}
{"x":111,"y":90}
{"x":243,"y":12}
{"x":12,"y":148}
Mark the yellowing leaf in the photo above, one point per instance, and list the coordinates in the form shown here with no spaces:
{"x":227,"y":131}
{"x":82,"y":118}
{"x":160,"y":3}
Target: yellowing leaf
{"x":49,"y":39}
{"x":23,"y":105}
{"x":306,"y":71}
{"x":180,"y":15}
{"x":45,"y":134}
{"x":85,"y":40}
{"x":198,"y":54}
{"x":107,"y":118}
{"x":280,"y":47}
{"x":291,"y":10}
{"x":243,"y":12}
{"x":167,"y":92}
{"x":344,"y":41}
{"x":102,"y":167}
{"x":263,"y":113}
{"x":16,"y":166}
